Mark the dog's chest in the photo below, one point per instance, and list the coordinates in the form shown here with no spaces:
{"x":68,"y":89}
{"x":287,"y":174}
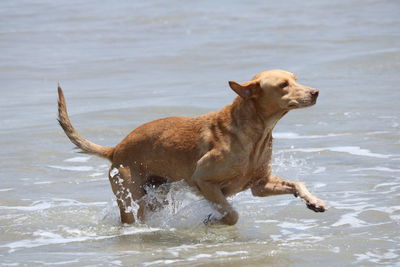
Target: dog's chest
{"x":244,"y":181}
{"x":248,"y":173}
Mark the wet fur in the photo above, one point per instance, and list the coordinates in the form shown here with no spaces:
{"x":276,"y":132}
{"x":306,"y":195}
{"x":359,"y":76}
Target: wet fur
{"x":220,"y":153}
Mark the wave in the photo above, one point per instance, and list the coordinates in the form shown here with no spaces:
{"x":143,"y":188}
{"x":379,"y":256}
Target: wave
{"x":72,"y":168}
{"x":353,"y":150}
{"x":291,"y":135}
{"x":53,"y":203}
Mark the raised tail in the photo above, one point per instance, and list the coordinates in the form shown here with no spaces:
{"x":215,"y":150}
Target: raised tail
{"x":75,"y":137}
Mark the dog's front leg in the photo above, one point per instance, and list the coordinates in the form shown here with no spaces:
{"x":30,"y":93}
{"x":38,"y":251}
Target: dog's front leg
{"x":204,"y":177}
{"x":212,"y":192}
{"x":275,"y":185}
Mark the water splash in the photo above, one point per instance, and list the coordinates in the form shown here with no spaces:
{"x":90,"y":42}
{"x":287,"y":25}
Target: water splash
{"x":177,"y":205}
{"x":169,"y":206}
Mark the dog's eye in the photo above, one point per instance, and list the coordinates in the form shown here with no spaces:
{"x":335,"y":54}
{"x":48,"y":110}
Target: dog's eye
{"x":283,"y":84}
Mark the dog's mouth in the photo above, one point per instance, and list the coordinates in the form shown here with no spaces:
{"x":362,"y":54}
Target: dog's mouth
{"x":313,"y":101}
{"x":293,"y":105}
{"x":310,"y":103}
{"x":302,"y":103}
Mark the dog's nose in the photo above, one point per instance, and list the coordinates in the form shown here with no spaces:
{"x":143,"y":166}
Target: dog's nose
{"x":314,"y":92}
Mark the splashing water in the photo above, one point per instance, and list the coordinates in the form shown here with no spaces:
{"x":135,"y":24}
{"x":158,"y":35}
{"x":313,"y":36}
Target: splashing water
{"x":177,"y":205}
{"x":168,"y":206}
{"x":179,"y":202}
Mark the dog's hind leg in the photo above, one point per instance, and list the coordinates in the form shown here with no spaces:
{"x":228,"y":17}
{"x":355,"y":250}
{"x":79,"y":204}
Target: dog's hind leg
{"x":128,"y":192}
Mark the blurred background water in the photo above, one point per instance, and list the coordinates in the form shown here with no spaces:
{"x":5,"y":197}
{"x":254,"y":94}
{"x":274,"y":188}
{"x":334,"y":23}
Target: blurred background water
{"x":125,"y":63}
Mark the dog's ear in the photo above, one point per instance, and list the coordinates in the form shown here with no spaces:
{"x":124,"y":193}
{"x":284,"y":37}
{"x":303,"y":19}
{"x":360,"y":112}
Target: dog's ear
{"x":245,"y":90}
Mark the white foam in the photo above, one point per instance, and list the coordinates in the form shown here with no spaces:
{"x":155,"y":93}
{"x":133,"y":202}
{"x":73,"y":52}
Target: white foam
{"x":54,"y":203}
{"x":6,"y":189}
{"x":318,"y":185}
{"x":392,"y":209}
{"x":44,"y":182}
{"x":353,"y":150}
{"x":138,"y":230}
{"x":290,"y":135}
{"x":77,"y":159}
{"x":387,"y":184}
{"x":199,"y":256}
{"x":45,"y":238}
{"x":335,"y":249}
{"x":377,"y":132}
{"x":98,"y":179}
{"x":96,"y":174}
{"x":265,"y":221}
{"x":195,"y":257}
{"x":72,"y":168}
{"x":296,"y":226}
{"x":320,"y":170}
{"x":349,"y":219}
{"x":161,"y":262}
{"x":356,"y":204}
{"x":69,"y":263}
{"x":376,"y":258}
{"x":303,"y":237}
{"x":66,"y":235}
{"x":231,"y":253}
{"x":380,"y":169}
{"x":395,"y":218}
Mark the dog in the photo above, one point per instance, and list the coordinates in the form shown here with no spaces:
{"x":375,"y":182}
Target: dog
{"x":220,"y":153}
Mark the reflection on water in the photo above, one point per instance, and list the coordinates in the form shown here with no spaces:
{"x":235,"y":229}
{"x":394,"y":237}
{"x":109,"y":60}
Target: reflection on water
{"x":124,"y":64}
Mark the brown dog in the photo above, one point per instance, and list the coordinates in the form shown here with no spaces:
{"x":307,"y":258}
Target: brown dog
{"x":220,"y":153}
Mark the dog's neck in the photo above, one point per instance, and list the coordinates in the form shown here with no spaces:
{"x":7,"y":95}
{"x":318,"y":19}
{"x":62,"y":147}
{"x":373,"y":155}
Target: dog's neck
{"x":249,"y":115}
{"x":251,"y":129}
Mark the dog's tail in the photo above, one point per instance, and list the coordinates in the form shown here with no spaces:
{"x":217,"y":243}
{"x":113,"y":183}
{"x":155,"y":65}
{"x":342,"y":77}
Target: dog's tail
{"x":75,"y":137}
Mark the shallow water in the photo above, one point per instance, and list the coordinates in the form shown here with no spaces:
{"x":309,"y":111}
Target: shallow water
{"x":124,"y":64}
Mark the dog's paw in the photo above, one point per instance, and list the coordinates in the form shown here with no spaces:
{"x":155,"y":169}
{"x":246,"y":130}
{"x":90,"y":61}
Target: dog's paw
{"x":317,"y":205}
{"x":230,"y":218}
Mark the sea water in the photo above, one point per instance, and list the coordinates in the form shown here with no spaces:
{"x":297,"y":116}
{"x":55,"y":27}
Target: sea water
{"x":125,"y":63}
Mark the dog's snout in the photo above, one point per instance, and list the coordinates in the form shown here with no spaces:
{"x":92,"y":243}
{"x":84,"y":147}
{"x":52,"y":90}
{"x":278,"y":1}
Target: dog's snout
{"x":314,"y":92}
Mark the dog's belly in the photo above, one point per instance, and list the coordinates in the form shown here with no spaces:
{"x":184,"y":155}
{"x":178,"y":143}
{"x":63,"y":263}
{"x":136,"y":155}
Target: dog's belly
{"x":166,"y":148}
{"x":168,"y":168}
{"x":146,"y":161}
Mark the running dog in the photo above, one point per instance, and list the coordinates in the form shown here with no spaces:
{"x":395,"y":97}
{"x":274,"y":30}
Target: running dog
{"x":221,"y":153}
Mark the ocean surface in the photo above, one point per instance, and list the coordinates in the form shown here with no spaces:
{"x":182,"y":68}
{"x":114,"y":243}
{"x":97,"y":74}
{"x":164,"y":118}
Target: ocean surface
{"x":125,"y":63}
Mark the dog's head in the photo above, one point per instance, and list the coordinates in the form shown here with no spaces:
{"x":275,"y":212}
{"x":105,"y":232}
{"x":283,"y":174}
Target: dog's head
{"x":276,"y":88}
